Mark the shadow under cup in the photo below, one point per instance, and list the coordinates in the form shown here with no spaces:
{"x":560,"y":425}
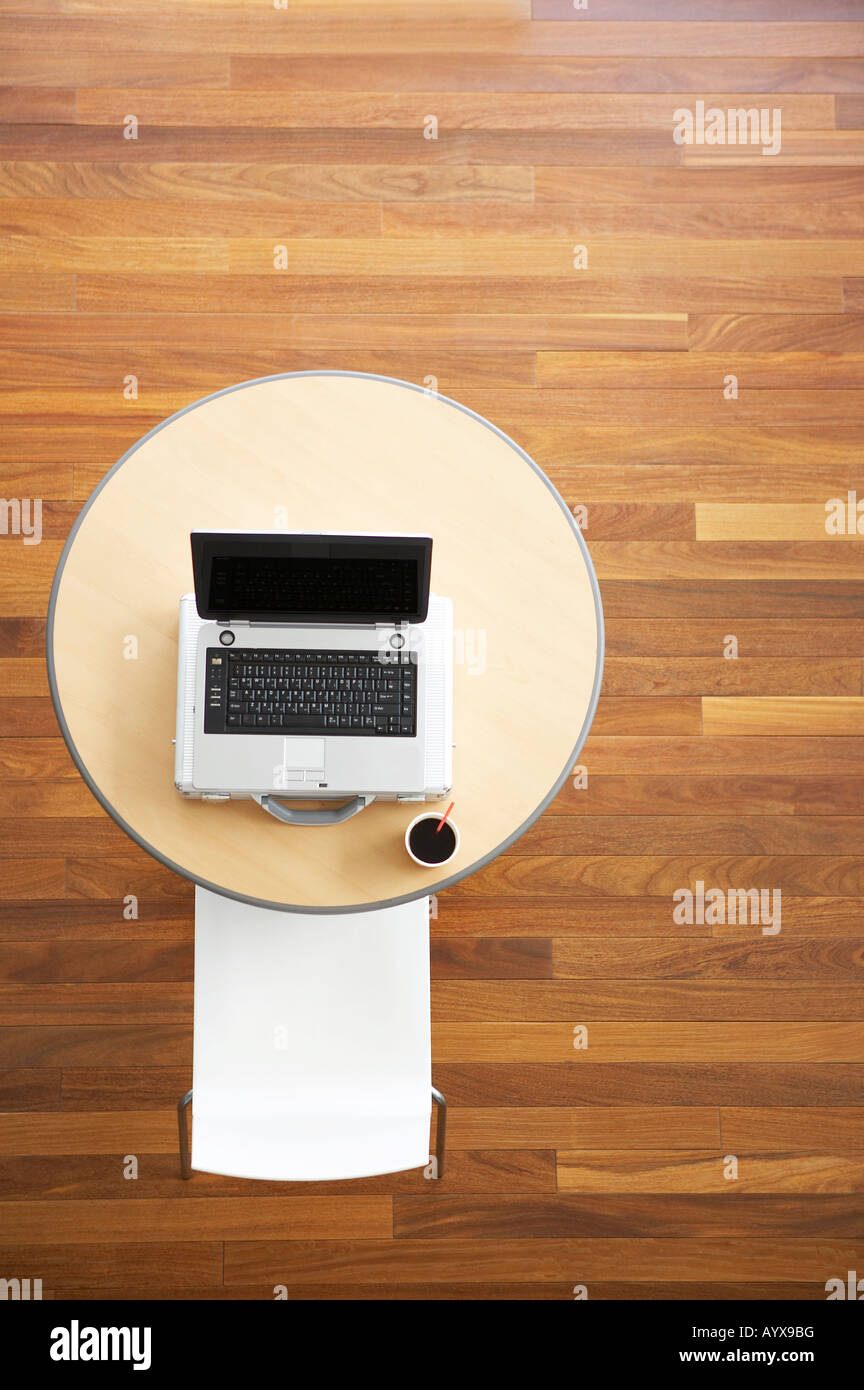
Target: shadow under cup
{"x":429,"y":843}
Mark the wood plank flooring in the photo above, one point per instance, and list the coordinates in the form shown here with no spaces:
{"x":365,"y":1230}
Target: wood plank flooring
{"x":649,"y":1106}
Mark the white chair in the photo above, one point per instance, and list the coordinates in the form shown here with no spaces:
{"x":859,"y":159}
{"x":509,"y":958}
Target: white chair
{"x":312,"y":1051}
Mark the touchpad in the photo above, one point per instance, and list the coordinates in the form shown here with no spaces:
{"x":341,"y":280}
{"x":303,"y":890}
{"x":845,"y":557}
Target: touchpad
{"x":305,"y":752}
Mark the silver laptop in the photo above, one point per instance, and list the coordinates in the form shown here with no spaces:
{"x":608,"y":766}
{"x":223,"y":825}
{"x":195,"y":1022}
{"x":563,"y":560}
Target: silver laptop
{"x":314,"y":667}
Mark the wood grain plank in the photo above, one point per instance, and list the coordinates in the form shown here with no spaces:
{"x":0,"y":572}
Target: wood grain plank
{"x":632,"y":1127}
{"x":685,"y":11}
{"x":196,"y":1219}
{"x":508,"y":111}
{"x":71,"y":1004}
{"x":135,"y":255}
{"x":548,"y":1044}
{"x":389,"y":33}
{"x":37,"y":104}
{"x":493,"y":958}
{"x":22,"y":293}
{"x":516,"y":1259}
{"x":277,"y":292}
{"x":166,"y":374}
{"x":66,"y":919}
{"x":618,"y":1171}
{"x":384,"y":1292}
{"x":382,"y":32}
{"x":777,"y":637}
{"x":663,"y":716}
{"x":498,"y":72}
{"x":124,"y":1088}
{"x":800,"y":148}
{"x":263,"y":182}
{"x":820,"y":333}
{"x":30,"y":716}
{"x":835,"y":959}
{"x":31,"y":962}
{"x":706,"y":598}
{"x":589,"y":1216}
{"x":134,"y":872}
{"x":170,"y":144}
{"x":729,"y":221}
{"x":56,"y":68}
{"x":518,"y":1043}
{"x":462,"y":1292}
{"x":849,"y":112}
{"x":682,"y":675}
{"x":179,"y":218}
{"x":743,"y":521}
{"x":778,"y":184}
{"x":22,"y":636}
{"x":509,"y":914}
{"x":116,"y":1045}
{"x":90,"y":1266}
{"x":33,"y":878}
{"x":45,"y":800}
{"x":554,"y":1000}
{"x":644,"y":794}
{"x":724,"y":1075}
{"x":776,"y":715}
{"x":23,"y":676}
{"x":853,"y":295}
{"x":111,"y":1133}
{"x":688,"y":11}
{"x":62,"y":834}
{"x":758,"y":1128}
{"x":502,"y":256}
{"x":323,"y":333}
{"x":814,"y":755}
{"x":610,"y":918}
{"x":29,"y":1088}
{"x":756,"y":371}
{"x":728,"y":560}
{"x":619,"y":835}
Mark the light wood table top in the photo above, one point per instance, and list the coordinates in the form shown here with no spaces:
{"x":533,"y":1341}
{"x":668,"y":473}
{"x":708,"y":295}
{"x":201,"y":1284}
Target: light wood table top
{"x":328,"y":452}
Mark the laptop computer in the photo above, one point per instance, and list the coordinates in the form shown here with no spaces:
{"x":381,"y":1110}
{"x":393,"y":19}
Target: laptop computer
{"x":313,"y":666}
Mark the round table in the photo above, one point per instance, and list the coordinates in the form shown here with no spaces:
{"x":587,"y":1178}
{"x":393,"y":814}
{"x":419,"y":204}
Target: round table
{"x":342,"y":452}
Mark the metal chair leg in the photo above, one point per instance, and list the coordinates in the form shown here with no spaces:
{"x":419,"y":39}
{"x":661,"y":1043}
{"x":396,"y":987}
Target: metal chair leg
{"x":183,"y":1132}
{"x":440,"y":1131}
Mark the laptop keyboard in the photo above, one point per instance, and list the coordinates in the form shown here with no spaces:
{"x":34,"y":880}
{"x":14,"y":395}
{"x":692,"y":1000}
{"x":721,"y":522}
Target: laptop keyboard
{"x":302,"y":692}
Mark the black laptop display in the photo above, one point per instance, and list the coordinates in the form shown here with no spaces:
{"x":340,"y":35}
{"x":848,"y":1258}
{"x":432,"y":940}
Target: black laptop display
{"x":323,"y":579}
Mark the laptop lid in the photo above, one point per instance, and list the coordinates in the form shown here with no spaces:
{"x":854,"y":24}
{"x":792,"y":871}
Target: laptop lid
{"x":284,"y":577}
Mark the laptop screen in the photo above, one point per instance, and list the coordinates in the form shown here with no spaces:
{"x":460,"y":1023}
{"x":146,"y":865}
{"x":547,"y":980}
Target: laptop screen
{"x":281,"y":577}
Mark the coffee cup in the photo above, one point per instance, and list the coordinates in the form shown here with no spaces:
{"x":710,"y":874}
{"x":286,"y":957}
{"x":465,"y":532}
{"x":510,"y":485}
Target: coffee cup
{"x":432,"y":841}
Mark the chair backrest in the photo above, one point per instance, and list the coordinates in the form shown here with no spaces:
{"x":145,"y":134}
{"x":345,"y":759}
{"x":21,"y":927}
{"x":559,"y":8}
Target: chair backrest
{"x":312,"y":1051}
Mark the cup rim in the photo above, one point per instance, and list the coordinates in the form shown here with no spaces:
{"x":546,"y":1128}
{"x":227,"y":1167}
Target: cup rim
{"x":432,"y":815}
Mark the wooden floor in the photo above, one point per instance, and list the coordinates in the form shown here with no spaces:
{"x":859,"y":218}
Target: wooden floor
{"x":452,"y":259}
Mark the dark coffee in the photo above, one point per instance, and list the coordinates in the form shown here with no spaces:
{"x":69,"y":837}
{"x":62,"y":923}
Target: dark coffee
{"x":430,"y":844}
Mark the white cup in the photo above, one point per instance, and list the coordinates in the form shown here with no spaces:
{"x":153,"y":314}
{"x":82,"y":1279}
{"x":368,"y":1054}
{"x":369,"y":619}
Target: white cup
{"x":432,"y":816}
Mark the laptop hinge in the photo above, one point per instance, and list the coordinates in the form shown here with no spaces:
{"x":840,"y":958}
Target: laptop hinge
{"x":268,"y":622}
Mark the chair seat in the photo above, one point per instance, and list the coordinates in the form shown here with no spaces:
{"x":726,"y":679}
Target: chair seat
{"x":312,"y":1051}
